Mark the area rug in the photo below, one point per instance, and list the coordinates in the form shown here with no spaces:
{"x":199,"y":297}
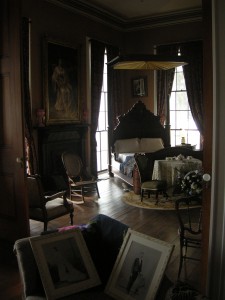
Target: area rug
{"x":150,"y":203}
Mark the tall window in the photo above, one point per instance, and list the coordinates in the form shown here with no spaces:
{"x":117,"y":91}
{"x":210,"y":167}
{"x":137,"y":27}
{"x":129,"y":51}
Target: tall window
{"x":183,"y":128}
{"x":102,"y":132}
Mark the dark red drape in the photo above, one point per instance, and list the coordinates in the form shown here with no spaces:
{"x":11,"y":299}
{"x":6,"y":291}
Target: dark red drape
{"x":193,"y":74}
{"x":165,"y":81}
{"x":31,"y":157}
{"x":114,"y":87}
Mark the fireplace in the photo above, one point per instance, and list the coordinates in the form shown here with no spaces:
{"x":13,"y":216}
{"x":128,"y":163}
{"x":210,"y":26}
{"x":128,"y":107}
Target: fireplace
{"x":52,"y":142}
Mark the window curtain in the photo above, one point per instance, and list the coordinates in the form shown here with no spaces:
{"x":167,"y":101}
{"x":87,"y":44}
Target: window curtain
{"x":193,"y":74}
{"x":31,"y":157}
{"x":114,"y":87}
{"x":165,"y":82}
{"x":97,"y":64}
{"x":114,"y":95}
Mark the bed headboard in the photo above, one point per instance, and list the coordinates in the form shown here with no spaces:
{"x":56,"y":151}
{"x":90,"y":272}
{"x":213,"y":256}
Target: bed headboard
{"x":139,"y":122}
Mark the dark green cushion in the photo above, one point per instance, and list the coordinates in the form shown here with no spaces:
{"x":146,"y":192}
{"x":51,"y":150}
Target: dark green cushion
{"x":154,"y":185}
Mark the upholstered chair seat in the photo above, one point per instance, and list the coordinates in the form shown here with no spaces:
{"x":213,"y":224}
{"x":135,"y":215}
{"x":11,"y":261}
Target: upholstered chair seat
{"x":153,"y":186}
{"x":147,"y":184}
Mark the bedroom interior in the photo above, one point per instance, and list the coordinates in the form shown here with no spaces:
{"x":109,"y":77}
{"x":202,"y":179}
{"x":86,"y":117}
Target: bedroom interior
{"x":73,"y":25}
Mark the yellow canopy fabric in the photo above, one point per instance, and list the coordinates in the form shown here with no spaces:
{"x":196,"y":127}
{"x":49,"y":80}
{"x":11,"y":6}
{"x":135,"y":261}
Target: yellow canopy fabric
{"x":146,"y":62}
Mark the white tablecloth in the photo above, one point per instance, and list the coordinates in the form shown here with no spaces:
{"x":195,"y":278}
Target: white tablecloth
{"x":169,"y":170}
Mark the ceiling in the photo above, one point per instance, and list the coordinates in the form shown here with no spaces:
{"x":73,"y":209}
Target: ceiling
{"x":134,"y":14}
{"x":133,"y":9}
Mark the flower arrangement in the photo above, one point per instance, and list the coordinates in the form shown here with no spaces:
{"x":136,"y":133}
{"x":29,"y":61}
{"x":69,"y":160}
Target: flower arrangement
{"x":191,"y":184}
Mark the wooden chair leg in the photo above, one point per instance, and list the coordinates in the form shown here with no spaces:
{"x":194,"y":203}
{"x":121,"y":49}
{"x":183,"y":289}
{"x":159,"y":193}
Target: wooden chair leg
{"x":82,"y":193}
{"x":165,"y":194}
{"x":181,"y":259}
{"x":157,"y":197}
{"x":96,"y":186}
{"x":45,"y":225}
{"x":142,"y":195}
{"x":70,"y":191}
{"x":71,"y":218}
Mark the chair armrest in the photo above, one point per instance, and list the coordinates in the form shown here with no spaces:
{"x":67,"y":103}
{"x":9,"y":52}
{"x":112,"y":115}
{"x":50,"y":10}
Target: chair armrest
{"x":55,"y":195}
{"x":73,"y":180}
{"x":28,"y":270}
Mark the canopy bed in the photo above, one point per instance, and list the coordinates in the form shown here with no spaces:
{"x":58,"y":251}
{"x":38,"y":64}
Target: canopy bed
{"x":139,"y":132}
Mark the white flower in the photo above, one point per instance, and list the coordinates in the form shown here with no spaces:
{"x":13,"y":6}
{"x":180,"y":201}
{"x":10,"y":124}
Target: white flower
{"x":191,"y":184}
{"x":198,"y":191}
{"x":194,"y":186}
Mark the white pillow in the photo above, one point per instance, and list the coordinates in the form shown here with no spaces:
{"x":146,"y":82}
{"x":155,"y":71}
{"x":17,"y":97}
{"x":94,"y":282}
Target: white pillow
{"x":148,"y":145}
{"x":127,"y":146}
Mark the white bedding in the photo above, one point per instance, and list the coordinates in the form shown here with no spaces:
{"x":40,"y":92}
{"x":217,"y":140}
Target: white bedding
{"x":135,"y":145}
{"x":121,"y":157}
{"x":125,"y":150}
{"x":124,"y":164}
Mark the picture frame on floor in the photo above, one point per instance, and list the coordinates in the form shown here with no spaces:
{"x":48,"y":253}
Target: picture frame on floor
{"x":64,"y":263}
{"x":139,"y":267}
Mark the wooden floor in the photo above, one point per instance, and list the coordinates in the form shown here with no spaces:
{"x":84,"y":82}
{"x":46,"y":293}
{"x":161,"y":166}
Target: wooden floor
{"x":162,"y":225}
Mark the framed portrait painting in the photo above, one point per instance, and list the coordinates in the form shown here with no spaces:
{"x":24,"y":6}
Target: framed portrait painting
{"x":64,"y":263}
{"x":61,"y":83}
{"x":139,"y":267}
{"x":139,"y":87}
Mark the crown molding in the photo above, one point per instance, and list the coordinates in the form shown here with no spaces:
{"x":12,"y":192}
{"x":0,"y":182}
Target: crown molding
{"x":163,"y":20}
{"x":102,"y":16}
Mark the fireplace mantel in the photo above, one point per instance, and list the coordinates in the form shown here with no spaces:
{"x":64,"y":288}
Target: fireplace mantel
{"x":52,"y":142}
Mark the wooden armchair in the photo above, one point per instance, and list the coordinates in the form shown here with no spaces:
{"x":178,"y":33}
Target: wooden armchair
{"x":79,"y":180}
{"x":45,"y":208}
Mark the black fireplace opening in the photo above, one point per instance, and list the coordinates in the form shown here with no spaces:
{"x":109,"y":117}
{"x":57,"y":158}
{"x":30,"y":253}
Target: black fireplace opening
{"x":53,"y":141}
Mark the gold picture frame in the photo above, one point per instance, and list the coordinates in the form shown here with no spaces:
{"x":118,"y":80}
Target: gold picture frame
{"x":61,"y":82}
{"x":139,"y":267}
{"x":64,"y":263}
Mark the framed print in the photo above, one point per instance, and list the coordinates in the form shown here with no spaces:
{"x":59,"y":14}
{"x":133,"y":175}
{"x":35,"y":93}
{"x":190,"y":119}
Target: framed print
{"x":61,"y":83}
{"x":139,"y":87}
{"x":139,"y":267}
{"x":64,"y":263}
